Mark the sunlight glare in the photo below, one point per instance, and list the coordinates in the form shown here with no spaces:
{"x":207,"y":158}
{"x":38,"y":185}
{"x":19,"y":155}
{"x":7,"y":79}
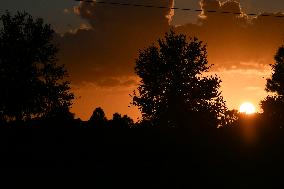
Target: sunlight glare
{"x":247,"y":108}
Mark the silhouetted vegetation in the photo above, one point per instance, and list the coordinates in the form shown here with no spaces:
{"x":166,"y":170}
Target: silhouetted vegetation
{"x":121,"y":122}
{"x":173,"y":88}
{"x":186,"y":139}
{"x":99,"y":120}
{"x":273,"y":105}
{"x":32,"y":85}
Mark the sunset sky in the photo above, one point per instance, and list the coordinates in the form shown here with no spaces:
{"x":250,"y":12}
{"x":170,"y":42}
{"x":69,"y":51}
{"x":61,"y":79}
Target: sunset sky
{"x":99,"y":43}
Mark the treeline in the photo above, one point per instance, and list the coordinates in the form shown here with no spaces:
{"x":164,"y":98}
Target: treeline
{"x":175,"y":89}
{"x":111,"y":153}
{"x":186,"y":138}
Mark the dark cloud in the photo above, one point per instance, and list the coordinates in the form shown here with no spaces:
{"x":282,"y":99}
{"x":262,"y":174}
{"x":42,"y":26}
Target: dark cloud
{"x":108,"y":49}
{"x":101,"y":55}
{"x":113,"y":82}
{"x":237,"y":41}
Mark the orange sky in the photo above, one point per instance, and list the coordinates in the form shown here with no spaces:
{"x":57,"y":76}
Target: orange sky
{"x":238,"y":86}
{"x":101,"y":57}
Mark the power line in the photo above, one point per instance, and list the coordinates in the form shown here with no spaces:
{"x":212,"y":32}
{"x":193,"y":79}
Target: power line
{"x":279,"y":15}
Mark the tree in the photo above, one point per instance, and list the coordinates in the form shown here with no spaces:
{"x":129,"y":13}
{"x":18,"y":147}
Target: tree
{"x":273,"y":105}
{"x":98,"y":118}
{"x":121,"y":122}
{"x":32,"y":85}
{"x":231,"y":118}
{"x":173,"y":88}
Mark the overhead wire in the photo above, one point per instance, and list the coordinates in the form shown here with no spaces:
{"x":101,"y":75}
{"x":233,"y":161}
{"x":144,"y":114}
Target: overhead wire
{"x":278,"y":15}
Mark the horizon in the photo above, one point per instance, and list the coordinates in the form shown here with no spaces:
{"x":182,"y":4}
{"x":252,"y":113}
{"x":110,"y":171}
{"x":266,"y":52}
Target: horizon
{"x":238,"y":56}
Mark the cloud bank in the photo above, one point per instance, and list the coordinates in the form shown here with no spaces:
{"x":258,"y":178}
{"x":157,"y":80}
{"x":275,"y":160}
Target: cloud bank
{"x":237,"y":41}
{"x":107,"y":51}
{"x":101,"y":57}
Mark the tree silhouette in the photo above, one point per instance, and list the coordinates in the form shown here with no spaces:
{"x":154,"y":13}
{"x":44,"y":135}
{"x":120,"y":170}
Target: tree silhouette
{"x":98,"y":118}
{"x":230,"y":118}
{"x":173,"y":88}
{"x":273,"y":105}
{"x":32,"y":85}
{"x":121,"y":122}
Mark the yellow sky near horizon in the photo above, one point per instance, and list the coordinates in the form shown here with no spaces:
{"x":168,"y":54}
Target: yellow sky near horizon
{"x":103,"y":40}
{"x":240,"y":47}
{"x":237,"y":86}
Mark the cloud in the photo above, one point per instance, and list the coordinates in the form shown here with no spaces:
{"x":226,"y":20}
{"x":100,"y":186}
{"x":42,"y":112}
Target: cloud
{"x":121,"y":81}
{"x":108,"y":48}
{"x":236,"y":38}
{"x":102,"y":53}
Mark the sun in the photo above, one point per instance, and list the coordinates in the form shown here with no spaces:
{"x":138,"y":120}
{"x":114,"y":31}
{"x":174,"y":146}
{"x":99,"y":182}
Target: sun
{"x":247,"y":108}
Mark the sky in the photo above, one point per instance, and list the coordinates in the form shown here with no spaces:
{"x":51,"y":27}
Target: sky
{"x":99,"y":44}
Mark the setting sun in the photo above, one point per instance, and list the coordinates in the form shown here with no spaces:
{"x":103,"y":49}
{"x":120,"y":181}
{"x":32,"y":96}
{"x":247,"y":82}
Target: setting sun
{"x":247,"y":108}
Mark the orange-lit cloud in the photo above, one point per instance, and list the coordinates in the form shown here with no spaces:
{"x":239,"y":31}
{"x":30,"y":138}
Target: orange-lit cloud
{"x":241,"y":47}
{"x":233,"y":40}
{"x":101,"y":58}
{"x":108,"y":49}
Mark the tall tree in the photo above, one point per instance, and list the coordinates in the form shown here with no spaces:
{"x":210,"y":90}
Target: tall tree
{"x":98,"y":119}
{"x":173,"y":86}
{"x":31,"y":83}
{"x":273,"y":105}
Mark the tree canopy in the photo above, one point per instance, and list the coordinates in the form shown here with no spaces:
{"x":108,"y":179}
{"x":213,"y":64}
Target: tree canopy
{"x":32,"y":85}
{"x":174,"y":85}
{"x":273,"y":105}
{"x":98,"y":118}
{"x":275,"y":84}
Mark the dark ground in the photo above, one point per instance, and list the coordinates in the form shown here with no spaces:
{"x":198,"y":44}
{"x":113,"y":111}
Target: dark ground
{"x":144,"y":158}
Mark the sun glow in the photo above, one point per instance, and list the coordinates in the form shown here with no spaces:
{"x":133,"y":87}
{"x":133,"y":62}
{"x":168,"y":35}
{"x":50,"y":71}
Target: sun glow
{"x":247,"y":108}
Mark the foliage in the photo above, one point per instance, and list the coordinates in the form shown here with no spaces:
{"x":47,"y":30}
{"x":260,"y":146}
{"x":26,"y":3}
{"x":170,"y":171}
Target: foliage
{"x":32,"y":85}
{"x":98,"y":118}
{"x":273,"y":105}
{"x":231,"y":118}
{"x":173,"y":85}
{"x":118,"y":121}
{"x":275,"y":84}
